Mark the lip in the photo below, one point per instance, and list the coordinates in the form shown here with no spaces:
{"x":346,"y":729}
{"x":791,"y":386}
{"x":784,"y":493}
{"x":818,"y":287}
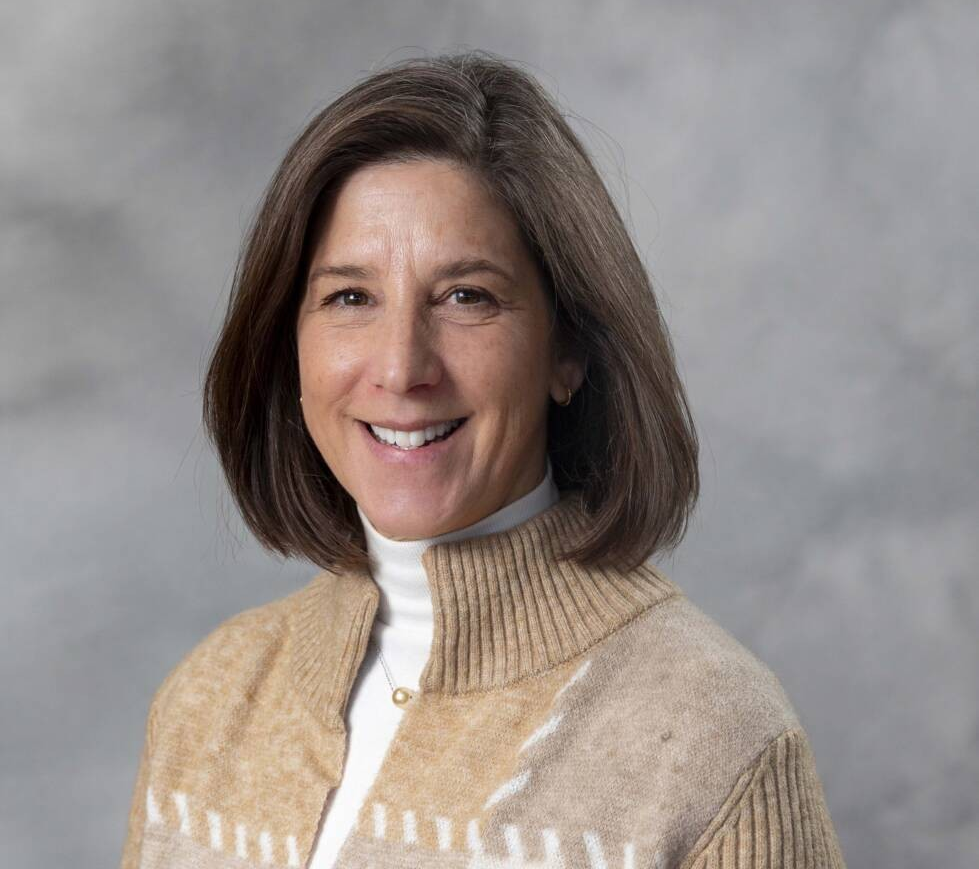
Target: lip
{"x":413,"y":425}
{"x":419,"y":458}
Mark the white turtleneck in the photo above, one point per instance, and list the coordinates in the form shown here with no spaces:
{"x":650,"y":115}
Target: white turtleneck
{"x":403,"y":630}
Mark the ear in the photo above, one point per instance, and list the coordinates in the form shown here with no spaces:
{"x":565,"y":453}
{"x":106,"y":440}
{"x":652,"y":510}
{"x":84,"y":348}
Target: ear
{"x":568,"y":370}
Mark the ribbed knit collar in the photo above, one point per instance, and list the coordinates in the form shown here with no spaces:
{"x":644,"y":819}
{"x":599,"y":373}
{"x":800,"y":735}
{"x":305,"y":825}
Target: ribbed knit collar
{"x":397,"y":569}
{"x":504,"y":609}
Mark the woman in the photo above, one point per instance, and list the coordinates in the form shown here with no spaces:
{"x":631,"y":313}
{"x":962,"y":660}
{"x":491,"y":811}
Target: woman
{"x":443,"y":377}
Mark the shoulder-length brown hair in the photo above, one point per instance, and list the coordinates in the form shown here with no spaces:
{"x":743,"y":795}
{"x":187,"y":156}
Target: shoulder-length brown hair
{"x":626,"y":441}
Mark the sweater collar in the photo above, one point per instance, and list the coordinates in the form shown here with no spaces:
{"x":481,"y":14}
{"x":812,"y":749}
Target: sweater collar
{"x":504,"y":608}
{"x":398,"y":571}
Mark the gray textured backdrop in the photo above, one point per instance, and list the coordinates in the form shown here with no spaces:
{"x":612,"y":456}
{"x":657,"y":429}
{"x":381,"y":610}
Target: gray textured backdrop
{"x":803,"y":185}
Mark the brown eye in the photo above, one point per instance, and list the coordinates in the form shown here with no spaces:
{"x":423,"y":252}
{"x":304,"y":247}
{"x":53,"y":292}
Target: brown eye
{"x":473,"y":293}
{"x":329,"y":300}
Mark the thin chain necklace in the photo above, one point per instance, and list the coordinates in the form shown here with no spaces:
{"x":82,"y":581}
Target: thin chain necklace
{"x":400,"y":696}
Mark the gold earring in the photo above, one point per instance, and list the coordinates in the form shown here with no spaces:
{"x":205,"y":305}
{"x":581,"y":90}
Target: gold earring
{"x":566,"y":403}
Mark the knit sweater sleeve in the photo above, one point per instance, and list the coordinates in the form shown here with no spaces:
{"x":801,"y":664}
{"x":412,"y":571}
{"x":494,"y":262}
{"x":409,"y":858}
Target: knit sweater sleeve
{"x":137,"y":811}
{"x":776,"y":815}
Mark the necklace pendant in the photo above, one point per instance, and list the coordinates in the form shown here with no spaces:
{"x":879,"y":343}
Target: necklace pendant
{"x":401,"y":696}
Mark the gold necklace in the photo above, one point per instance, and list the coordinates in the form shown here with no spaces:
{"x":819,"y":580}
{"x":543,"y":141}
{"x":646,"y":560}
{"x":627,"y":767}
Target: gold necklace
{"x":400,"y":696}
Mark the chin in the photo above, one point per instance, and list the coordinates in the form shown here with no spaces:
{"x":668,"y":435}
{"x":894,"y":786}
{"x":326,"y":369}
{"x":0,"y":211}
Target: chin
{"x":407,"y":518}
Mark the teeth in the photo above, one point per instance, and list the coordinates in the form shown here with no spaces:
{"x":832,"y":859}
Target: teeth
{"x":411,"y":440}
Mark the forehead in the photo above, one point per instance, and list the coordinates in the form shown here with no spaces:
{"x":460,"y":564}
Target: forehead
{"x":425,"y":204}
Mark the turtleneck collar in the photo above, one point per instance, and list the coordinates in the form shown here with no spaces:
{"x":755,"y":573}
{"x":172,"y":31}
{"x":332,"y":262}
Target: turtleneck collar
{"x":504,"y":608}
{"x":396,"y":565}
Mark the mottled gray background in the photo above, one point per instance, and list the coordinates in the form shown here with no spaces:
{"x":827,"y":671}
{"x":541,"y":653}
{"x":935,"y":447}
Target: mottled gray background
{"x":800,"y":178}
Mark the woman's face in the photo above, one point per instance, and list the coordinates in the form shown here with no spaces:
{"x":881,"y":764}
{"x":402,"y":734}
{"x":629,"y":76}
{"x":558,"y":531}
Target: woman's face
{"x":423,"y":306}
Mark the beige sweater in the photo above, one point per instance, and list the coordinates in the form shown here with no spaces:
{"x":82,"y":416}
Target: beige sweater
{"x":566,"y":718}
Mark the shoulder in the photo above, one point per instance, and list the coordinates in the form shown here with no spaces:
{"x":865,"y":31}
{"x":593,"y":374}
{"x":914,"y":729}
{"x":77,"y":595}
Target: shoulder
{"x":684,"y":654}
{"x":727,"y":743}
{"x":696,"y":709}
{"x":227,"y":658}
{"x":696,"y":704}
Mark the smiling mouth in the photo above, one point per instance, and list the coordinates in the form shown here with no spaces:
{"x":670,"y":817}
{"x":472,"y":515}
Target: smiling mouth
{"x":408,"y":449}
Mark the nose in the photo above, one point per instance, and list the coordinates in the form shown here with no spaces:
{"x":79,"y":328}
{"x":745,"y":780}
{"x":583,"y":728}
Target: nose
{"x":404,"y":352}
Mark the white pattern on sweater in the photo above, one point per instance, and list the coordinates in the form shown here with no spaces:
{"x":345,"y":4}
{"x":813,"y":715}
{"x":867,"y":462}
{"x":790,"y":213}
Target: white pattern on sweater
{"x":403,"y":630}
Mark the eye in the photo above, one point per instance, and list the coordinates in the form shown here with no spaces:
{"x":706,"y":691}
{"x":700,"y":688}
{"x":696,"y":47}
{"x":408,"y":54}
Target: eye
{"x":329,"y":300}
{"x":473,"y":293}
{"x":470,"y":298}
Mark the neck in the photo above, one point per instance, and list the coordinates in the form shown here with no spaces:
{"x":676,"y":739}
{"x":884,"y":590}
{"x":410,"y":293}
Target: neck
{"x":396,"y":565}
{"x":505,"y":607}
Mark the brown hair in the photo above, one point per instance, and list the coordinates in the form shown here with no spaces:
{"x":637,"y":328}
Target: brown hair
{"x":627,"y":440}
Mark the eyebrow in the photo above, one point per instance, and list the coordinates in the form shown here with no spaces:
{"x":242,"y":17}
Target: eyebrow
{"x":455,"y":269}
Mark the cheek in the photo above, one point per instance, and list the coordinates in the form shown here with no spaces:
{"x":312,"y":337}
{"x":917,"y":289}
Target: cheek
{"x":325,"y":368}
{"x":508,"y":367}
